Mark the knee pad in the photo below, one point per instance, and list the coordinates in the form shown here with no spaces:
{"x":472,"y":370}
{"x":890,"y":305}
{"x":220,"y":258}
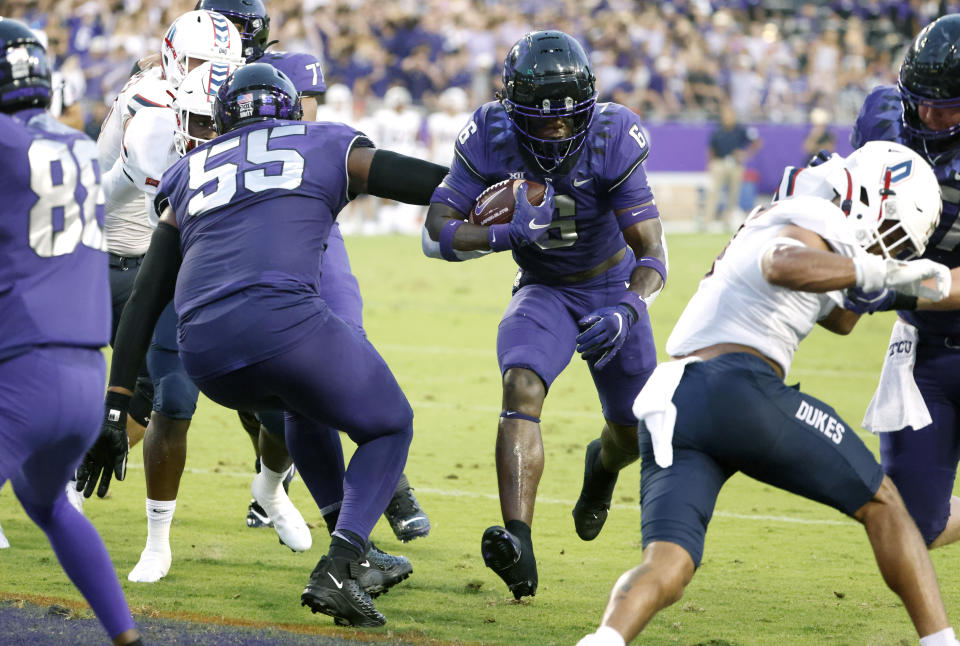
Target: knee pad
{"x":176,"y":396}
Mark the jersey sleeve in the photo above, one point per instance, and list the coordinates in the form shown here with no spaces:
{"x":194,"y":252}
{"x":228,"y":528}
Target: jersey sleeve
{"x":147,"y":147}
{"x":879,"y":117}
{"x":303,"y":69}
{"x":626,"y":148}
{"x":467,"y":177}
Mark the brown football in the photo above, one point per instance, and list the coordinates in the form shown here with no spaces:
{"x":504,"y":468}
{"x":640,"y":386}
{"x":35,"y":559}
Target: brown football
{"x":497,"y":202}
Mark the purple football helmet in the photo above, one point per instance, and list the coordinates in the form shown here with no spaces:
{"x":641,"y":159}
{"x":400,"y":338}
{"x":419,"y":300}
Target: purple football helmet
{"x":24,"y":70}
{"x":255,"y":92}
{"x":549,"y":92}
{"x":251,"y":20}
{"x":930,"y":76}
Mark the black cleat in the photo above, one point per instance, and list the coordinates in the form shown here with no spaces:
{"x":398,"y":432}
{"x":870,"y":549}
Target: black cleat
{"x":381,"y":571}
{"x":502,"y":553}
{"x":256,"y":516}
{"x":407,"y":520}
{"x":590,"y":513}
{"x":334,"y":590}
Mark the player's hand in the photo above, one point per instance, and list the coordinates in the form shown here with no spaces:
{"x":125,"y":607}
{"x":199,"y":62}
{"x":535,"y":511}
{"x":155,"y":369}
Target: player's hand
{"x":530,"y":223}
{"x":906,"y":277}
{"x":859,"y":301}
{"x":108,"y":455}
{"x":605,"y":331}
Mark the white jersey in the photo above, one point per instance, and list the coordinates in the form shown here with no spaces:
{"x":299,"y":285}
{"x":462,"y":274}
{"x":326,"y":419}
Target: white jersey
{"x":397,"y":131}
{"x":146,"y":151}
{"x":127,"y":224}
{"x":736,"y":304}
{"x":443,"y":129}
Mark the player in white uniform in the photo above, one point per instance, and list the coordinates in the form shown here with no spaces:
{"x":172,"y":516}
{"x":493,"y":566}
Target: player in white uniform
{"x":445,"y":125}
{"x":193,"y":38}
{"x":396,"y":126}
{"x":784,"y":271}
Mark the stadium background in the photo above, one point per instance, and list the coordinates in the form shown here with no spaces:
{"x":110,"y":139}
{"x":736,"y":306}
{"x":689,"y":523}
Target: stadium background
{"x":780,"y":64}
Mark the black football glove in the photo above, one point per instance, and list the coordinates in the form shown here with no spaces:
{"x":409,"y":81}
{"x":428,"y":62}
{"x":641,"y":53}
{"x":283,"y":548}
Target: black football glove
{"x":109,"y":453}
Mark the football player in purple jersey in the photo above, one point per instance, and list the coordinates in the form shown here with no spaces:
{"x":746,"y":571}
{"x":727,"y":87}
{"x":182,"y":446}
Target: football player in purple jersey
{"x":337,"y":283}
{"x":592,"y":258}
{"x":238,"y":252}
{"x":55,"y":300}
{"x":920,"y":435}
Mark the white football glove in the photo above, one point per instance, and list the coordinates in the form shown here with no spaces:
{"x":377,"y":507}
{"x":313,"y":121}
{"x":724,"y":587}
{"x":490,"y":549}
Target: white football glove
{"x":906,"y":277}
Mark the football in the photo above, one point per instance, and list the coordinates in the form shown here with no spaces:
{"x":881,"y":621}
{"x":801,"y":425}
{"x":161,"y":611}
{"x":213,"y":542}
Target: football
{"x":495,"y":205}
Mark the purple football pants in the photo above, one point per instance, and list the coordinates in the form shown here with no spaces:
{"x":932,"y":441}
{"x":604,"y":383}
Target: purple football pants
{"x":331,"y":378}
{"x":539,"y":332}
{"x":923,"y":463}
{"x":51,"y":405}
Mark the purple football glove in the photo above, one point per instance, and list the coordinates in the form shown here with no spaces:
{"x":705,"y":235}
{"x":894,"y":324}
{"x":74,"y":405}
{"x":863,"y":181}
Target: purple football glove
{"x":605,"y":331}
{"x":530,"y":223}
{"x":860,"y":302}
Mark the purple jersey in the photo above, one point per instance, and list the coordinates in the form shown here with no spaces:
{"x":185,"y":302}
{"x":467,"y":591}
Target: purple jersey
{"x":53,"y":277}
{"x":303,"y":69}
{"x":880,"y":118}
{"x":606,"y":175}
{"x":254,"y":209}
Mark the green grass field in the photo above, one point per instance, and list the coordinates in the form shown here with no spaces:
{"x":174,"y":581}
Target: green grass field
{"x":777,"y":570}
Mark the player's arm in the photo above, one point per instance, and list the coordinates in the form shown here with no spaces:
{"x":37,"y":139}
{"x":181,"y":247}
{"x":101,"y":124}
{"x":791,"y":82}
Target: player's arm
{"x":646,"y":239}
{"x":152,"y":290}
{"x":393,"y":176}
{"x":801,"y":260}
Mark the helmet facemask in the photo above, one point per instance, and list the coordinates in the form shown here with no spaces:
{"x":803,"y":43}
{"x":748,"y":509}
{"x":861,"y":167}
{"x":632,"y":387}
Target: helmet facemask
{"x":194,"y":105}
{"x":530,"y":121}
{"x":896,"y":200}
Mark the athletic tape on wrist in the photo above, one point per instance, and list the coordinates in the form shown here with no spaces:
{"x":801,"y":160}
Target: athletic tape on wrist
{"x":446,"y":239}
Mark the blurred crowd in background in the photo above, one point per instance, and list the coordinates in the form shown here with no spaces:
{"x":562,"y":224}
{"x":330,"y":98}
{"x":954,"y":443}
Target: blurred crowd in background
{"x":777,"y":61}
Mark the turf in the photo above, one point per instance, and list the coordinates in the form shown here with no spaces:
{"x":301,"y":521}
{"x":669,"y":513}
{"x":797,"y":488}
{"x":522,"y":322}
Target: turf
{"x":777,"y":569}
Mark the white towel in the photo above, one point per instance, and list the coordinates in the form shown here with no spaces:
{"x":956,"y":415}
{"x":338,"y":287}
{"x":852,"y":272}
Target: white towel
{"x":897,"y":402}
{"x":654,"y":406}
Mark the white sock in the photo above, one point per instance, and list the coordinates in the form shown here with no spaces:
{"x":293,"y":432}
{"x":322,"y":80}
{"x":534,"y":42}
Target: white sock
{"x":271,"y":477}
{"x":159,"y":519}
{"x":609,"y":637}
{"x":945,"y":637}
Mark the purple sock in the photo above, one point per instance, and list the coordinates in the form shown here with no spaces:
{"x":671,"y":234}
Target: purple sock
{"x":85,"y":560}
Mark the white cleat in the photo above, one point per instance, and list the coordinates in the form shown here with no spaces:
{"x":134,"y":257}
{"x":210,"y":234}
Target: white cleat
{"x":74,"y":497}
{"x":4,"y":543}
{"x":152,"y":567}
{"x":290,"y":526}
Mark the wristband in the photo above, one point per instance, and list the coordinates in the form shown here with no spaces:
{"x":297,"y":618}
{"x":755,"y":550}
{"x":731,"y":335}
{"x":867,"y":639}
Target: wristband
{"x":498,"y":236}
{"x":655,"y":264}
{"x":117,"y":403}
{"x":904,"y":302}
{"x":446,"y":239}
{"x":634,"y":302}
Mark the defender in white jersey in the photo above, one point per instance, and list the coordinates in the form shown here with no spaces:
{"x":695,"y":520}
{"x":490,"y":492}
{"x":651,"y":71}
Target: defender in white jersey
{"x":783,"y":272}
{"x":193,"y":38}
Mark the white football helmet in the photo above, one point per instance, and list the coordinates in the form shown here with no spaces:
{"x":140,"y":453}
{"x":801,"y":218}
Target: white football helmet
{"x":893,"y":200}
{"x":194,"y":103}
{"x":454,"y":100}
{"x":198,"y":36}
